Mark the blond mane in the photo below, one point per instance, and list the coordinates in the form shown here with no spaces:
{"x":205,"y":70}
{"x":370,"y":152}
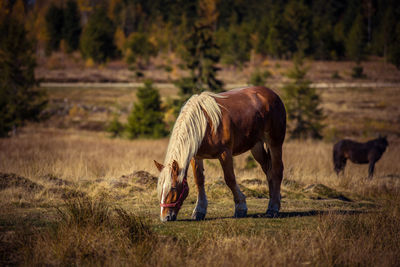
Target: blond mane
{"x":187,"y":135}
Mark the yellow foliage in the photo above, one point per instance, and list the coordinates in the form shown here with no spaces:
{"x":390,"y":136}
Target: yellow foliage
{"x":208,"y":11}
{"x":111,"y":7}
{"x":3,"y":10}
{"x":89,"y":63}
{"x":76,"y":112}
{"x":120,"y":39}
{"x":265,"y":63}
{"x":153,"y":41}
{"x":84,"y":5}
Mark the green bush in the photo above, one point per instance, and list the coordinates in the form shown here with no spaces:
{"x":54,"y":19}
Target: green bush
{"x":115,"y":127}
{"x":358,"y":72}
{"x":146,"y":118}
{"x":250,"y":163}
{"x":259,"y":78}
{"x":336,"y":75}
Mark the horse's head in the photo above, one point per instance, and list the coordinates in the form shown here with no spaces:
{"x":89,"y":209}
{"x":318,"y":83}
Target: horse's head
{"x":172,"y":192}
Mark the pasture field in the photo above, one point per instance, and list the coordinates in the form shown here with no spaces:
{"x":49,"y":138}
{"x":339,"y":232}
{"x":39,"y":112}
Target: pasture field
{"x":70,"y":195}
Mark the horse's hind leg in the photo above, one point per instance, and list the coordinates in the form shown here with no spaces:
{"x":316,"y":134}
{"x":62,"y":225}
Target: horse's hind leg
{"x":262,"y":157}
{"x":226,"y":161}
{"x":200,"y":211}
{"x":272,"y":166}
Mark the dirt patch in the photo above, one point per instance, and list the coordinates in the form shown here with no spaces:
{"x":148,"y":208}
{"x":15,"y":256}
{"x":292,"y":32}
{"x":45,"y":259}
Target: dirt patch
{"x":320,"y":191}
{"x":116,"y":183}
{"x":55,"y":180}
{"x":66,"y":193}
{"x":142,"y":178}
{"x":292,"y":184}
{"x":135,"y":189}
{"x":254,"y":181}
{"x":12,"y":180}
{"x":257,"y":192}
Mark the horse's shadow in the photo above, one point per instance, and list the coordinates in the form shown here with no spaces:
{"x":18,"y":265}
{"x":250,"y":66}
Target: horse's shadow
{"x":288,"y":214}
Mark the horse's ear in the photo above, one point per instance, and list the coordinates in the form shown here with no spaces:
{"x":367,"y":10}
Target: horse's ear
{"x":175,"y":167}
{"x":159,"y":165}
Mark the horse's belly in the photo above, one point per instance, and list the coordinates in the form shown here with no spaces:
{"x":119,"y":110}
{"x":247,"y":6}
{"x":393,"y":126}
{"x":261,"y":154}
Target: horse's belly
{"x":359,"y":158}
{"x":244,"y":147}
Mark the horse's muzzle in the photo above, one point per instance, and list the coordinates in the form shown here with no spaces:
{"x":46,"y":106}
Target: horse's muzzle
{"x":169,"y":217}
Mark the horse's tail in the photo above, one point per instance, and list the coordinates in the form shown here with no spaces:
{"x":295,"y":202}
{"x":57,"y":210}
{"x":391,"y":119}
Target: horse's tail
{"x":338,"y":160}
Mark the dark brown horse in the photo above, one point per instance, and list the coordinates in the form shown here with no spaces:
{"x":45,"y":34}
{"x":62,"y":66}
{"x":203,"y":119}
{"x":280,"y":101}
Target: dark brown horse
{"x":361,"y":153}
{"x":220,"y":126}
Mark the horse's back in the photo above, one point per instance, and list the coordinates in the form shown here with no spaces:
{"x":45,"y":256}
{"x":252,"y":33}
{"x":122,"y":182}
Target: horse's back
{"x":248,"y":114}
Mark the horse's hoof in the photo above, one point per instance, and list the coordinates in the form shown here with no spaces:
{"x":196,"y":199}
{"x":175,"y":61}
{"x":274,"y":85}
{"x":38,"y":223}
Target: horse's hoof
{"x":240,"y":213}
{"x":272,"y":214}
{"x":198,"y":216}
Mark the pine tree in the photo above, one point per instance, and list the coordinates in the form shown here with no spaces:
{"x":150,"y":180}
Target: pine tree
{"x":297,"y":25}
{"x":302,"y":104}
{"x":139,"y":49}
{"x":19,"y":100}
{"x":72,"y":26}
{"x":394,"y":47}
{"x":97,"y":40}
{"x":236,"y":43}
{"x":201,"y":56}
{"x":146,"y":118}
{"x":355,"y":43}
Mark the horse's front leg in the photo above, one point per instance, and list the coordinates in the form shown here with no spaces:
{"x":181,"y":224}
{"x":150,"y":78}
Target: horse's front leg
{"x":371,"y":169}
{"x":226,"y":161}
{"x":200,"y":211}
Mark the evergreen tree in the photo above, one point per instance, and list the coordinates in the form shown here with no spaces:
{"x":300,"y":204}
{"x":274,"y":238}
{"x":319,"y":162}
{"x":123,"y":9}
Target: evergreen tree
{"x":201,"y":56}
{"x":355,"y":43}
{"x":297,"y":24}
{"x":54,"y":25}
{"x":72,"y":26}
{"x":115,"y":127}
{"x":276,"y":41}
{"x":394,"y":48}
{"x":236,"y":43}
{"x":97,"y":40}
{"x":302,"y":104}
{"x":146,"y":118}
{"x":19,"y":100}
{"x":138,"y":48}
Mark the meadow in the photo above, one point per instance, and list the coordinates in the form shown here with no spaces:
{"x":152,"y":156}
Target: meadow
{"x":71,"y":195}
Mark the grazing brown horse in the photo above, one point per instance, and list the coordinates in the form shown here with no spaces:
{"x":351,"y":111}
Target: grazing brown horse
{"x":361,"y":153}
{"x":220,"y":126}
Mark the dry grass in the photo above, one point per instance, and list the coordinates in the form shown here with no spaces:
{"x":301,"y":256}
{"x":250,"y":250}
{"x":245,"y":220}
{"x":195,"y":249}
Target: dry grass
{"x":73,"y":197}
{"x":316,"y":227}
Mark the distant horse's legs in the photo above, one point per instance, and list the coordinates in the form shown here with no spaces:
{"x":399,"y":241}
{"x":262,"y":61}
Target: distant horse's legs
{"x":229,"y":175}
{"x":200,"y":211}
{"x":371,"y":169}
{"x":274,"y":176}
{"x":339,"y":162}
